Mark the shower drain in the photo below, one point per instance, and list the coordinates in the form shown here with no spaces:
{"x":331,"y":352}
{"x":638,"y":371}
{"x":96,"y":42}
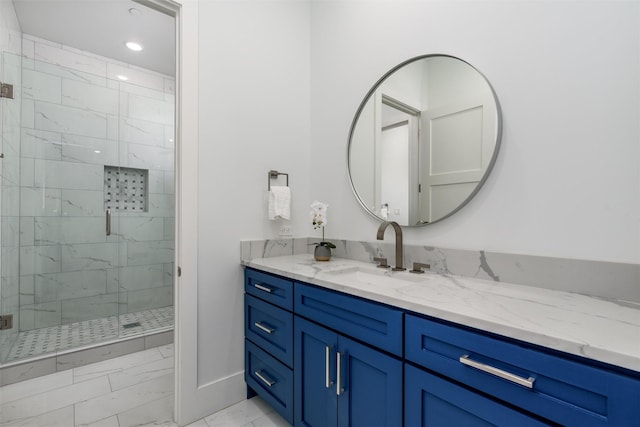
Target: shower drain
{"x":131,"y":325}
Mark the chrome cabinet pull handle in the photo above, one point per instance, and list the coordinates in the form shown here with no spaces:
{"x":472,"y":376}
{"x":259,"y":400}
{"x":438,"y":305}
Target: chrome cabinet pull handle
{"x":527,"y":382}
{"x":339,"y":385}
{"x":261,"y":326}
{"x":108,"y":219}
{"x":263,"y":288}
{"x":264,"y":379}
{"x":327,"y":367}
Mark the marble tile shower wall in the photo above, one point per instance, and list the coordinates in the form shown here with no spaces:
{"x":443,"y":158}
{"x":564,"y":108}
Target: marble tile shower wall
{"x":77,"y":118}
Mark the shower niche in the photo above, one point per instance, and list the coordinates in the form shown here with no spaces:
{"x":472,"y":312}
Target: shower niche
{"x":125,"y":189}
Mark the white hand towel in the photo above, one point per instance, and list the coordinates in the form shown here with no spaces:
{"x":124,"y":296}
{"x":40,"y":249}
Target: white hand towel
{"x":279,"y":203}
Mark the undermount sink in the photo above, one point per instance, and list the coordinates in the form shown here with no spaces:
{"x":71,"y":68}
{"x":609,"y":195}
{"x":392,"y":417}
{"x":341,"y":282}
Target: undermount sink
{"x":374,"y":276}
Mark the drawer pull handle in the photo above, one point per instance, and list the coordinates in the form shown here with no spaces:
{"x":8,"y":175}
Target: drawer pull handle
{"x":327,"y":367}
{"x":527,"y":382}
{"x":263,"y":288}
{"x":261,"y":326}
{"x":264,"y":379}
{"x":339,"y":385}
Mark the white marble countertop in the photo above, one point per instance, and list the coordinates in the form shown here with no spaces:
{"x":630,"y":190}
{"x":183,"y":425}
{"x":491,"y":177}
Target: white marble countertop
{"x":593,"y":328}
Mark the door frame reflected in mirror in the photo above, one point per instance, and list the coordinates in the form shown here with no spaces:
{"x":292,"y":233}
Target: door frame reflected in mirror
{"x":459,"y":128}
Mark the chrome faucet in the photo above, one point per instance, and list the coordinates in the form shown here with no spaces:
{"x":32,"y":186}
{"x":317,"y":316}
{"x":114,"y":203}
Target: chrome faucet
{"x":399,"y":249}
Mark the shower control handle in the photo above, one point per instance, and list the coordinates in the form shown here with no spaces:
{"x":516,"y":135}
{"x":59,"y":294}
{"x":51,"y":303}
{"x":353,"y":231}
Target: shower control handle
{"x":108,"y":222}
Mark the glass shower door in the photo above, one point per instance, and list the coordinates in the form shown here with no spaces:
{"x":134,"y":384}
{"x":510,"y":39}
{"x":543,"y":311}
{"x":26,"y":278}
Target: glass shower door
{"x":87,"y":216}
{"x":67,"y":267}
{"x":67,"y":262}
{"x":10,"y":72}
{"x":144,"y":203}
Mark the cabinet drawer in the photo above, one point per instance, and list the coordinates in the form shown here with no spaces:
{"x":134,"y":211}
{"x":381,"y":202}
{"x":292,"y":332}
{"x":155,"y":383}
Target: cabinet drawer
{"x":270,"y":379}
{"x":274,"y":289}
{"x":561,"y":390}
{"x":431,"y":401}
{"x":270,"y":327}
{"x":367,"y":321}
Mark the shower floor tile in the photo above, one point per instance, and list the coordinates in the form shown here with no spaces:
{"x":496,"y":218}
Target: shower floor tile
{"x":54,"y":339}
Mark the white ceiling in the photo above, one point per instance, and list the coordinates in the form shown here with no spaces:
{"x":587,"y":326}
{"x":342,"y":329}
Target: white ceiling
{"x":102,"y":27}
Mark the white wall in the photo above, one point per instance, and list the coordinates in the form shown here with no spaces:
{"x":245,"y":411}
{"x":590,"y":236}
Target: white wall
{"x":279,"y":83}
{"x":253,"y":117}
{"x":567,"y":75}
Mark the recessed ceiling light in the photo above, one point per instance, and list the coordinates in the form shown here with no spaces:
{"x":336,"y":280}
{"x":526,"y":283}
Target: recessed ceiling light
{"x":134,"y":11}
{"x":136,"y":47}
{"x":97,"y":151}
{"x":122,"y":77}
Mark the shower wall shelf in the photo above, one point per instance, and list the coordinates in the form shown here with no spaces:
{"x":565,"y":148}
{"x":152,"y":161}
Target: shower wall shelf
{"x":125,"y":189}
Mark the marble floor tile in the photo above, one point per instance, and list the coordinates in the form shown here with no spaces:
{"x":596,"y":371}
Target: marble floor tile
{"x":123,"y":400}
{"x":166,"y":350}
{"x":106,"y":422}
{"x":141,"y":373}
{"x":199,"y":423}
{"x":42,"y":403}
{"x":131,"y":390}
{"x":270,"y":420}
{"x":241,"y":414}
{"x":159,"y":412}
{"x":38,"y":385}
{"x":62,"y":417}
{"x":116,"y":365}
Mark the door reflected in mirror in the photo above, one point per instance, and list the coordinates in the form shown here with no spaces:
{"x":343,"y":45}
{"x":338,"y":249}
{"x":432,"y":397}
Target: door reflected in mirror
{"x":424,"y":140}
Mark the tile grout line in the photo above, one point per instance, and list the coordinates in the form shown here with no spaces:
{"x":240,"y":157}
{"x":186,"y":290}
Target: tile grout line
{"x":109,"y":380}
{"x":38,"y":393}
{"x":144,"y":404}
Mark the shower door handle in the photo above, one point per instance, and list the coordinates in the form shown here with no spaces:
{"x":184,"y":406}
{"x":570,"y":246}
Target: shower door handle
{"x":108,"y":219}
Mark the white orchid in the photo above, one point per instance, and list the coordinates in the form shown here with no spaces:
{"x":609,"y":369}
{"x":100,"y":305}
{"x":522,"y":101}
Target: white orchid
{"x":318,"y":214}
{"x":319,"y":220}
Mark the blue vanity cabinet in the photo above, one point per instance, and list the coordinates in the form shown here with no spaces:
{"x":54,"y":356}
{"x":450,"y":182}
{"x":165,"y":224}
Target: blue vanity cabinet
{"x":431,"y":401}
{"x":560,"y":389}
{"x":376,"y":324}
{"x":275,"y":290}
{"x":270,"y":379}
{"x":338,"y":379}
{"x":269,"y":327}
{"x":340,"y":382}
{"x":269,"y":340}
{"x":323,"y":358}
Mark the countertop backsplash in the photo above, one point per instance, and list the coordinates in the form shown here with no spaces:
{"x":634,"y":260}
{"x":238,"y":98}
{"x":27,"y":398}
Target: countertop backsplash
{"x":608,"y":280}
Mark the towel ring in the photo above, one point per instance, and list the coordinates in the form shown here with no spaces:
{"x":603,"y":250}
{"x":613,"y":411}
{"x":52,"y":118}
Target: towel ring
{"x":274,"y":175}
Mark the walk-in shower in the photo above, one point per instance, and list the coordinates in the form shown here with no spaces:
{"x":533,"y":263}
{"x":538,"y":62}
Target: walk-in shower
{"x":87,"y":199}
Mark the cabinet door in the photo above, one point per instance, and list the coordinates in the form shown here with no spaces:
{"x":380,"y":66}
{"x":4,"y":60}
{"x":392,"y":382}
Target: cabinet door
{"x":431,"y":401}
{"x":314,"y":358}
{"x":371,"y":387}
{"x":370,"y":382}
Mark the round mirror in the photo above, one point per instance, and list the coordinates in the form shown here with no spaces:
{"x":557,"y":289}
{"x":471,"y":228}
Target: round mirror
{"x":424,"y":140}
